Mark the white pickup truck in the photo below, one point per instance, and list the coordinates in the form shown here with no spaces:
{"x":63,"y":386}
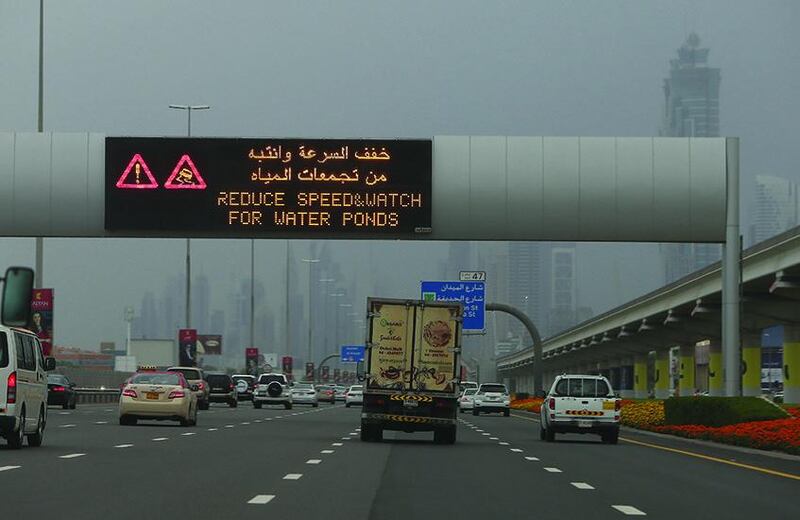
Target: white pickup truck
{"x":580,"y":404}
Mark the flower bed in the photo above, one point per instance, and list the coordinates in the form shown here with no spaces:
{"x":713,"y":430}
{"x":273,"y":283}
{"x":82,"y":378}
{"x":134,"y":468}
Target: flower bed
{"x":642,"y":414}
{"x":779,"y":434}
{"x":531,"y":404}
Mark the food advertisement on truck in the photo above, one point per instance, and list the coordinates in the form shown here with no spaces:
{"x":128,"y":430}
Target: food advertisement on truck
{"x":435,"y":356}
{"x":391,"y":339}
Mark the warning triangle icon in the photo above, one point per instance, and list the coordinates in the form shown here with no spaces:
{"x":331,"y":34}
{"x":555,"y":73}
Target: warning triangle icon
{"x":185,"y":176}
{"x":137,"y":176}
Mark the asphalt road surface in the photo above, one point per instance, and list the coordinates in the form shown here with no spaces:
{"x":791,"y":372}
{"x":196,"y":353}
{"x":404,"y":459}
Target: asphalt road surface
{"x":308,"y":463}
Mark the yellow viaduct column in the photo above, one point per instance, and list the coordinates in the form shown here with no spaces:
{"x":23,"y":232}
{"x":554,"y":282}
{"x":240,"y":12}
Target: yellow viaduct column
{"x":751,"y":364}
{"x":686,"y":384}
{"x":715,"y":379}
{"x":662,"y":373}
{"x":640,"y":376}
{"x":791,"y":365}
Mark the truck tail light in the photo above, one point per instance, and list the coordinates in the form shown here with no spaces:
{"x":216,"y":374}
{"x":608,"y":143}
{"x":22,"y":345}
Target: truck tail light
{"x":11,"y":393}
{"x":552,"y":403}
{"x":129,"y":392}
{"x":176,"y":394}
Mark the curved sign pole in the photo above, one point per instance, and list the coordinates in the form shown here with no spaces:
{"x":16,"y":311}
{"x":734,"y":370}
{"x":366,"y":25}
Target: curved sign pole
{"x":538,"y":383}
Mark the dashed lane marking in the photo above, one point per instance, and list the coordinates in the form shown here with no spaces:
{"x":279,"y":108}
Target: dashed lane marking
{"x":532,"y":458}
{"x":582,"y":485}
{"x":516,"y":450}
{"x":337,"y":444}
{"x":213,"y":429}
{"x":503,"y":443}
{"x":71,"y":455}
{"x":553,"y":470}
{"x":293,"y":476}
{"x":313,"y":461}
{"x":261,"y":499}
{"x":67,"y":426}
{"x":229,"y":426}
{"x":486,"y":434}
{"x":258,"y":420}
{"x":245,"y":423}
{"x":124,"y":446}
{"x":188,"y":434}
{"x":630,"y":510}
{"x":64,"y":413}
{"x":327,"y":452}
{"x":101,"y":422}
{"x":714,"y":459}
{"x":159,"y":439}
{"x":8,"y":468}
{"x":345,"y":438}
{"x":494,"y":438}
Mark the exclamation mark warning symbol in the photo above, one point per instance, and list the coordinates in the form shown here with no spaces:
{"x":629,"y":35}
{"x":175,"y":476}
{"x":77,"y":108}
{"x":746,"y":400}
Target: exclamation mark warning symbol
{"x":132,"y":177}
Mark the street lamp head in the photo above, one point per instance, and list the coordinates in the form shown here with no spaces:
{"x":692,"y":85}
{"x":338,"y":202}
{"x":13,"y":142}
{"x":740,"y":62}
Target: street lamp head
{"x":190,"y":107}
{"x":310,"y":260}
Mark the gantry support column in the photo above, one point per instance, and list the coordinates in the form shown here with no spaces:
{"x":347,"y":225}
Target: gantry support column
{"x":662,"y":373}
{"x":686,"y":385}
{"x":640,"y":376}
{"x":716,"y":386}
{"x":751,"y":364}
{"x":791,"y":365}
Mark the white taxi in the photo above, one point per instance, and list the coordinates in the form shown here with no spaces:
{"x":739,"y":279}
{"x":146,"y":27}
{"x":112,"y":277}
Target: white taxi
{"x":580,"y":404}
{"x":160,"y":396}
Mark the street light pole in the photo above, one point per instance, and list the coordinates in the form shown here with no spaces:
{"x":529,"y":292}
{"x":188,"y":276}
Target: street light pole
{"x":189,"y":109}
{"x":252,"y":293}
{"x":38,"y":275}
{"x":309,"y":261}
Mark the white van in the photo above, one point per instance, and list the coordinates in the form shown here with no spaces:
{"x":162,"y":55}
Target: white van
{"x":23,"y":387}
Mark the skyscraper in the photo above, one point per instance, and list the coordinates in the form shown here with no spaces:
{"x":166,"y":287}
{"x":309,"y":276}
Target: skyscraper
{"x":691,"y":109}
{"x":526,"y":291}
{"x":777,"y":207}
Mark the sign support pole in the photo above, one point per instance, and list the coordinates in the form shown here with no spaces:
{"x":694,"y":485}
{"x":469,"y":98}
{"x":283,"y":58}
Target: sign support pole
{"x":731,"y":274}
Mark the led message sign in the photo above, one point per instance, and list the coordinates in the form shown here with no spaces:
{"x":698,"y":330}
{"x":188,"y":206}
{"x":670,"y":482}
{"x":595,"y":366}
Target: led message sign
{"x":262,"y":187}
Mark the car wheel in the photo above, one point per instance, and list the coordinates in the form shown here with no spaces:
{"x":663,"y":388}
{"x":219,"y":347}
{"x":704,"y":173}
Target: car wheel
{"x":65,"y":406}
{"x":36,"y":439}
{"x":549,"y":435}
{"x":74,"y":403}
{"x":315,"y":405}
{"x":127,"y":420}
{"x":475,"y":411}
{"x":233,"y":404}
{"x":256,"y":405}
{"x":541,"y":433}
{"x":610,"y":437}
{"x":15,"y":438}
{"x":347,"y":405}
{"x":506,"y":412}
{"x":288,"y":406}
{"x":203,"y":405}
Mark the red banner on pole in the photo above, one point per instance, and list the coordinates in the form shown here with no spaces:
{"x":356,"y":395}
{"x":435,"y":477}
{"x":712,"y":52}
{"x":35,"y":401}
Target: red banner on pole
{"x":42,"y":318}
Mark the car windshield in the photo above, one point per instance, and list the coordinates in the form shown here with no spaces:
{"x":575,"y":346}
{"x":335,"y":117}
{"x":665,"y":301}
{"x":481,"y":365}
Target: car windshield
{"x":582,"y":387}
{"x":188,"y":373}
{"x":303,"y":386}
{"x":56,"y":379}
{"x":155,"y":378}
{"x":358,"y":388}
{"x":499,"y":389}
{"x":249,"y":379}
{"x":267,"y":379}
{"x":470,"y":391}
{"x":218,"y":380}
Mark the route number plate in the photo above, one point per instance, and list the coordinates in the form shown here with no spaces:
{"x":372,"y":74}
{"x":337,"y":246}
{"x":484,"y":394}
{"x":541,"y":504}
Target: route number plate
{"x":410,"y":404}
{"x":152,"y":395}
{"x":584,"y":424}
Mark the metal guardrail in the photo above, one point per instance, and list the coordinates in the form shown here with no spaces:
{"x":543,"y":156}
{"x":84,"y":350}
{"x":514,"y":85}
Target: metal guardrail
{"x":96,"y":395}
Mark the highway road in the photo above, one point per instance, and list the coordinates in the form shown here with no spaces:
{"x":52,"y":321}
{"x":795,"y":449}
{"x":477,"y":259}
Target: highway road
{"x":309,"y":463}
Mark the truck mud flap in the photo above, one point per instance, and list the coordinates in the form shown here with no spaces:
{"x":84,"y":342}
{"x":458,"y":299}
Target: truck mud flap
{"x":407,"y":419}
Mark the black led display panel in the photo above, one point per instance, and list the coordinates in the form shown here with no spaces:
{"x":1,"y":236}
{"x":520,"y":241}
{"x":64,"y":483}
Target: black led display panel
{"x":252,"y":187}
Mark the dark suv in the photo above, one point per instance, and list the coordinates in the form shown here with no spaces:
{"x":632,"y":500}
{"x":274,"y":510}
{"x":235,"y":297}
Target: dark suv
{"x":222,"y":389}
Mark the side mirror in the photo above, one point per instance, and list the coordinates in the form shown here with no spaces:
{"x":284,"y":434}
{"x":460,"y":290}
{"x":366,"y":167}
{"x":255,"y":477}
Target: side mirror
{"x":50,"y":365}
{"x":194,"y":388}
{"x":17,"y":294}
{"x":540,"y":394}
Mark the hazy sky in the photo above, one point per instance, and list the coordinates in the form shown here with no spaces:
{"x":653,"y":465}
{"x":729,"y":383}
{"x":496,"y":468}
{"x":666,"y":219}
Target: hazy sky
{"x":377,"y":69}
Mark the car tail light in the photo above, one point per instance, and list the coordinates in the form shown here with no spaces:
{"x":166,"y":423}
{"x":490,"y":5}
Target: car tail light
{"x":129,"y":392}
{"x":552,"y":403}
{"x":616,"y":417}
{"x":11,"y":393}
{"x":230,"y":386}
{"x":617,"y":405}
{"x":176,"y":393}
{"x":200,"y":385}
{"x":58,"y":389}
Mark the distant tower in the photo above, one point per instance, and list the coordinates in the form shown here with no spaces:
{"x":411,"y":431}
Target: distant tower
{"x":691,"y":109}
{"x":777,"y":207}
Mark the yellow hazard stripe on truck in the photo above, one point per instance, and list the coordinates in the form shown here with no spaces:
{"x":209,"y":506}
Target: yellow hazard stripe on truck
{"x":583,"y":412}
{"x":412,"y":419}
{"x":411,"y":397}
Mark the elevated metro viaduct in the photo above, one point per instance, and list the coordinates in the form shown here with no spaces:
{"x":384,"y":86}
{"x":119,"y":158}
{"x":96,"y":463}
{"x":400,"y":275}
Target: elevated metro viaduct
{"x":617,"y":343}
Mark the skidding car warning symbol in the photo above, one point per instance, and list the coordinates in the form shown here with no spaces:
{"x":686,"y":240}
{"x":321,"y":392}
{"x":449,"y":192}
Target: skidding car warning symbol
{"x":137,"y":176}
{"x":185,"y":176}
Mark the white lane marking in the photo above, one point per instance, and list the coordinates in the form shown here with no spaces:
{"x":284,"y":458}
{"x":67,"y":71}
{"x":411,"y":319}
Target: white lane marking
{"x":493,"y":438}
{"x":229,"y":426}
{"x":313,"y":461}
{"x":630,"y":510}
{"x":188,"y":433}
{"x":7,"y":468}
{"x":258,"y":420}
{"x":109,"y":410}
{"x":553,"y":470}
{"x":486,"y":434}
{"x":124,"y":446}
{"x":358,"y":429}
{"x":479,"y":431}
{"x":531,"y":458}
{"x":337,"y":444}
{"x":353,"y":433}
{"x":503,"y":443}
{"x":516,"y":450}
{"x":213,"y":429}
{"x":582,"y":485}
{"x":268,"y":419}
{"x":159,"y":439}
{"x":261,"y":499}
{"x":293,"y":476}
{"x":279,"y":417}
{"x":64,"y":413}
{"x":67,"y":426}
{"x":101,"y":422}
{"x":71,"y":455}
{"x":245,"y":423}
{"x":326,"y":452}
{"x":345,"y":438}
